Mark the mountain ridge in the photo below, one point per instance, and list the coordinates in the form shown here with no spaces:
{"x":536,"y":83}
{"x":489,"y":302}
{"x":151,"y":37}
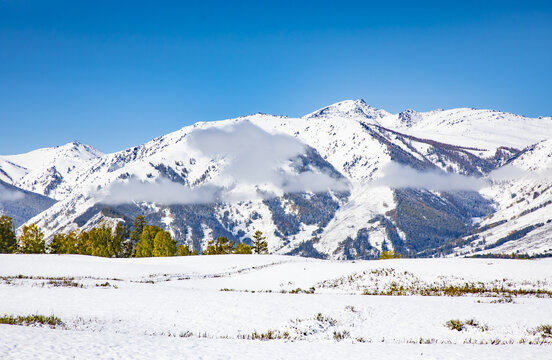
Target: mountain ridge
{"x":349,"y":138}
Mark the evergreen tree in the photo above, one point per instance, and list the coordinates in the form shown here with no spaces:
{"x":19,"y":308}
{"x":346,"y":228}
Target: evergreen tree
{"x":163,"y":244}
{"x":56,"y":245}
{"x":137,"y":229}
{"x":183,"y":250}
{"x":221,"y":246}
{"x":260,"y":246}
{"x":84,"y":246}
{"x":71,"y":243}
{"x":100,"y":240}
{"x":31,"y":240}
{"x":144,"y":248}
{"x":388,"y":255}
{"x":121,"y":237}
{"x":8,"y":240}
{"x":64,"y":244}
{"x":242,"y":248}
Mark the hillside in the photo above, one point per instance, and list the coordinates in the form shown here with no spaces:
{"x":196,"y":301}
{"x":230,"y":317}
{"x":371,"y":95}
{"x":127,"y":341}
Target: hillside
{"x":346,"y":181}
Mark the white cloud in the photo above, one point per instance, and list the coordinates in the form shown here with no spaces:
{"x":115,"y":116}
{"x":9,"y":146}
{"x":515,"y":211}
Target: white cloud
{"x":256,"y":157}
{"x":163,"y":192}
{"x":255,"y":164}
{"x":10,"y":195}
{"x":400,"y":176}
{"x":511,"y":172}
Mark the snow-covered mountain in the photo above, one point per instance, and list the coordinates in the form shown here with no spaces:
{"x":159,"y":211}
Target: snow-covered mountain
{"x":345,"y":181}
{"x":43,"y":170}
{"x":522,"y":222}
{"x":21,"y":205}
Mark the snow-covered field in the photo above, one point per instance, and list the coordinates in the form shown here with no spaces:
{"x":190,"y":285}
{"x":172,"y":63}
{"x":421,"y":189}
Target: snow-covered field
{"x":219,"y":306}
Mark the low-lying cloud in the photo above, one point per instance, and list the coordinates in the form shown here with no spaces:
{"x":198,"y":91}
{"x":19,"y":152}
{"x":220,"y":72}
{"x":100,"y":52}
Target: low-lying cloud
{"x":256,"y":157}
{"x":511,"y":173}
{"x":400,"y":176}
{"x":254,"y":164}
{"x":163,"y":192}
{"x":7,"y":194}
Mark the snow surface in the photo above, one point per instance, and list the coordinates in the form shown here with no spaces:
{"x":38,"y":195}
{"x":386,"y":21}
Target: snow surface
{"x":204,"y":306}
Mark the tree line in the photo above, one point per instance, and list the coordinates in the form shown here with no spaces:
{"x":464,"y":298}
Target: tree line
{"x":141,"y":240}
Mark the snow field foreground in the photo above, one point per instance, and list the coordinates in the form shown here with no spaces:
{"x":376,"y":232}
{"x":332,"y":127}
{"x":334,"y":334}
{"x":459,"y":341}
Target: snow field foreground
{"x":223,"y":306}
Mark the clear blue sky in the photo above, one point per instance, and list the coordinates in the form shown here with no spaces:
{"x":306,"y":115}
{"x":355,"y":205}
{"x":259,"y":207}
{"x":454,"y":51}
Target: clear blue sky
{"x":117,"y":74}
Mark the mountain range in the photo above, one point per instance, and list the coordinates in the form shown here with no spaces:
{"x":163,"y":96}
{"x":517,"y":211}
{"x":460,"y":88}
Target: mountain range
{"x":345,"y":182}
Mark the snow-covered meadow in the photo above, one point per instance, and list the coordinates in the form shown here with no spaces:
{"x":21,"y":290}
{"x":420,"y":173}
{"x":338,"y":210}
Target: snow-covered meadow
{"x":266,"y":306}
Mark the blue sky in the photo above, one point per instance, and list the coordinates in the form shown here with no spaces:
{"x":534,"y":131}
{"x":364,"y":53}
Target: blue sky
{"x":117,"y":74}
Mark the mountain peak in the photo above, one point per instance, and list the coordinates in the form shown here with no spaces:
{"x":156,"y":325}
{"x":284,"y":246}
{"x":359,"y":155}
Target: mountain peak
{"x":76,"y":149}
{"x":355,"y":109}
{"x":409,"y":117}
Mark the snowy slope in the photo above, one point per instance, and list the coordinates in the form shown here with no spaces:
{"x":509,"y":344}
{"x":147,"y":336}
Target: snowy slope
{"x":349,"y":142}
{"x":356,"y":150}
{"x":522,"y":191}
{"x":21,"y":205}
{"x":43,"y":170}
{"x":356,"y":110}
{"x":483,"y":129}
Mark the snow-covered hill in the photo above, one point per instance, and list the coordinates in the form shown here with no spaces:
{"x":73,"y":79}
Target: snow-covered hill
{"x":486,"y":130}
{"x":43,"y":170}
{"x":21,"y":205}
{"x":345,"y":181}
{"x":522,"y":222}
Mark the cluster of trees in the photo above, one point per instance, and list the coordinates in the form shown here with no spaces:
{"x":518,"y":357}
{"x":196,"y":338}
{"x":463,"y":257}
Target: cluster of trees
{"x":223,"y":245}
{"x":143,"y":240}
{"x":389,"y":255}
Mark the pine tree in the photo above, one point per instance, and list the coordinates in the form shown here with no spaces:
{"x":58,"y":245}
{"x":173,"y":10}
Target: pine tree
{"x":8,"y":240}
{"x":260,"y":246}
{"x":144,"y":248}
{"x":388,"y":255}
{"x":64,"y":244}
{"x":221,"y":246}
{"x":183,"y":250}
{"x":31,"y":240}
{"x":84,"y":246}
{"x":242,"y":248}
{"x":101,"y":242}
{"x":56,"y":245}
{"x":137,"y":229}
{"x":163,"y":244}
{"x":121,"y":240}
{"x":71,"y":243}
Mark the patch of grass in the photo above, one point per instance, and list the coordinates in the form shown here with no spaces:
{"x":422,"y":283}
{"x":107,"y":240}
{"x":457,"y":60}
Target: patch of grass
{"x":455,"y":325}
{"x":42,"y":281}
{"x":301,"y":291}
{"x":341,"y":335}
{"x":457,"y":290}
{"x":32,"y":320}
{"x":544,"y":331}
{"x":106,"y":285}
{"x":459,"y":325}
{"x":64,"y":282}
{"x":390,"y":282}
{"x":502,"y":300}
{"x":325,"y":319}
{"x":264,"y":336}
